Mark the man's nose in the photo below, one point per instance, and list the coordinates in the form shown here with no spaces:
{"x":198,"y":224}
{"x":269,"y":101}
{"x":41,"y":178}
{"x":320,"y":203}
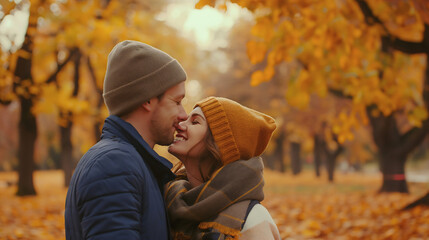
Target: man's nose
{"x":182,"y":116}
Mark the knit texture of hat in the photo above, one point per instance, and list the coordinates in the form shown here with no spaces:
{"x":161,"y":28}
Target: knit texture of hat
{"x":137,"y":72}
{"x":239,"y":132}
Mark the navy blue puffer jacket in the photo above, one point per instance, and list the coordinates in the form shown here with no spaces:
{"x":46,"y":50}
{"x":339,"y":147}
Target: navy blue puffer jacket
{"x":116,"y":189}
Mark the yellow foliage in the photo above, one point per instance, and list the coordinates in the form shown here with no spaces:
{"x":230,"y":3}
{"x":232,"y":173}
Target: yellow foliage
{"x":269,"y":72}
{"x":417,"y":115}
{"x":258,"y":77}
{"x":297,"y":98}
{"x":422,"y":7}
{"x":222,"y":7}
{"x":274,"y":57}
{"x":339,"y":50}
{"x":263,"y":29}
{"x":201,"y":3}
{"x":7,"y":6}
{"x":344,"y":125}
{"x":298,"y":133}
{"x":256,"y":51}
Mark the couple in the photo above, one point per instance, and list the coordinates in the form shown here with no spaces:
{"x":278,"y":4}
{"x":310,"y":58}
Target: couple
{"x":122,"y":189}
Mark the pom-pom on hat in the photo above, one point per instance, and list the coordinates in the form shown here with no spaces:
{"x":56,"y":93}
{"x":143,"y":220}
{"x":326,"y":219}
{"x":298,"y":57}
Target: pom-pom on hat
{"x":137,"y":72}
{"x":239,"y":132}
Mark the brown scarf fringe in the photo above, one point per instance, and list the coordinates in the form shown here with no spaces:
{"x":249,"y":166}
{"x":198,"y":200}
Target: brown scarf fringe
{"x":234,"y":233}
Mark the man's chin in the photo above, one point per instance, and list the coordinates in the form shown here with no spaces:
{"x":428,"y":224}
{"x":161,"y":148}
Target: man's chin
{"x":166,"y":142}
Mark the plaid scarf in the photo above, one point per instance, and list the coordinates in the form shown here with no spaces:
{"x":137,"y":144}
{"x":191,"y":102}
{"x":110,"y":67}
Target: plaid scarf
{"x":218,"y":207}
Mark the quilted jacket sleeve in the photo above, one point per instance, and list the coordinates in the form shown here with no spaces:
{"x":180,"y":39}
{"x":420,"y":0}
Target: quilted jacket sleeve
{"x":110,"y":194}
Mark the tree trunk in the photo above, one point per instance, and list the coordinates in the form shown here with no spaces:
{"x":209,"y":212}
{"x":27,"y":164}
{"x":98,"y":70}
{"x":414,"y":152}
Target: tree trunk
{"x":331,"y":161}
{"x":419,"y":202}
{"x":295,"y":150}
{"x":318,"y":154}
{"x":274,"y":161}
{"x":393,"y":169}
{"x":392,"y":156}
{"x":269,"y":161}
{"x":66,"y":152}
{"x":393,"y":146}
{"x":98,"y":122}
{"x":330,"y":166}
{"x":27,"y":122}
{"x":331,"y":158}
{"x":66,"y":131}
{"x":279,"y":152}
{"x":27,"y":139}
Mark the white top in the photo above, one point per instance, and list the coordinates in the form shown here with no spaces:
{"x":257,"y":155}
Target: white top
{"x":259,"y":225}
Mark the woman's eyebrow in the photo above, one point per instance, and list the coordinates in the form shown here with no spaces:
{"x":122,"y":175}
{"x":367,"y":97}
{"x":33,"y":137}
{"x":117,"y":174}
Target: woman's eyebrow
{"x":198,"y":115}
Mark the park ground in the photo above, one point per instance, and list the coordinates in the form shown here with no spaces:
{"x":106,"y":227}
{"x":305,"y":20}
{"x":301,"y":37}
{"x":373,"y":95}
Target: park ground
{"x":303,"y":206}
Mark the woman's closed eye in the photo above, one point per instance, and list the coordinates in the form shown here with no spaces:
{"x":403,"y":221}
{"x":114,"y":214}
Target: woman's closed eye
{"x":196,"y":118}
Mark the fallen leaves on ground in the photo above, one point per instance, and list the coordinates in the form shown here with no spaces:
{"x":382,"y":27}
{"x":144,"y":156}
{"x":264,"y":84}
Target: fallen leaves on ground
{"x":304,"y":207}
{"x":33,"y":217}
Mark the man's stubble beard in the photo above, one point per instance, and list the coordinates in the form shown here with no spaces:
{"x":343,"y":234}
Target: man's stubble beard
{"x":162,"y":134}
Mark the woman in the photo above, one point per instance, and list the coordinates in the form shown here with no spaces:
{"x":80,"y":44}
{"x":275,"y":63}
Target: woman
{"x":215,"y":197}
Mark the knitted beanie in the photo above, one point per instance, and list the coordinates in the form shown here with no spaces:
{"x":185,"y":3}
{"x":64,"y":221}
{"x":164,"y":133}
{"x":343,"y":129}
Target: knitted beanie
{"x":137,"y":72}
{"x":239,"y":132}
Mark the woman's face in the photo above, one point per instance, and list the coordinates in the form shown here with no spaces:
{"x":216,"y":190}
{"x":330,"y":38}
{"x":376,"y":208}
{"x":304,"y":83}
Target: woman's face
{"x":189,"y":141}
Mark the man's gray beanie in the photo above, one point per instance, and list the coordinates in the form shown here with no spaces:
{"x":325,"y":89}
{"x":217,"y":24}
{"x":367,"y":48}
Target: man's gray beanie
{"x":137,"y":72}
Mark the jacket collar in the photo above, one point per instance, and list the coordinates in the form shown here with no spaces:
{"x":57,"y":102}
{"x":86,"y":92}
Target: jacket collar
{"x":118,"y":127}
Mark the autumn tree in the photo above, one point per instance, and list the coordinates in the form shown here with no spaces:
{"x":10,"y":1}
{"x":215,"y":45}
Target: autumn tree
{"x":373,"y":53}
{"x":60,"y":66}
{"x":90,"y":39}
{"x":31,"y":84}
{"x":297,"y":124}
{"x":21,"y":86}
{"x":393,"y":143}
{"x":231,"y":80}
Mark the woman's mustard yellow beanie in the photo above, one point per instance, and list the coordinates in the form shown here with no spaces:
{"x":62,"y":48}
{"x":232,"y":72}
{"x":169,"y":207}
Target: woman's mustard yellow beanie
{"x":238,"y":131}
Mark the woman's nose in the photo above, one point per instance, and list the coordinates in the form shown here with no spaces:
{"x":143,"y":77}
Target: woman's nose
{"x":182,"y":125}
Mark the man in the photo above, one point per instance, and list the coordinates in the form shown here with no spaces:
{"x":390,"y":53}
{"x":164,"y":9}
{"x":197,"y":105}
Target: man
{"x":116,"y":189}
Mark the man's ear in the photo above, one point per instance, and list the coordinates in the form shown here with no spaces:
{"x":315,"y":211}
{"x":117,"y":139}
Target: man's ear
{"x":149,"y":105}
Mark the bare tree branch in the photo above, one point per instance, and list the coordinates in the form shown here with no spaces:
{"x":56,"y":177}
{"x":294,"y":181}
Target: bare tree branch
{"x":404,"y":46}
{"x":389,"y":39}
{"x":370,"y":18}
{"x":53,"y":77}
{"x":76,"y":60}
{"x":93,"y":76}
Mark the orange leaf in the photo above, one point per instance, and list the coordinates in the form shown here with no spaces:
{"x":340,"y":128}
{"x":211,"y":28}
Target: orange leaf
{"x":202,"y":3}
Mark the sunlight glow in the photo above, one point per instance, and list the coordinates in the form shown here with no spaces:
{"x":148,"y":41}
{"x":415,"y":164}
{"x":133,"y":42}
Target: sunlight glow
{"x":13,"y":28}
{"x":204,"y":23}
{"x":208,"y":26}
{"x":193,"y":88}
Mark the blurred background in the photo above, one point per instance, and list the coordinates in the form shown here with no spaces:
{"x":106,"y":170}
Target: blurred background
{"x":346,"y":80}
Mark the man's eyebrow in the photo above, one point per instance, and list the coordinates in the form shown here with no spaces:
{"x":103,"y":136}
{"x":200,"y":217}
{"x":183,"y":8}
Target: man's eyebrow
{"x":182,"y":96}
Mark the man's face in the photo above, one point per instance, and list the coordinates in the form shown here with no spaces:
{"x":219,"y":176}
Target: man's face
{"x":167,"y":115}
